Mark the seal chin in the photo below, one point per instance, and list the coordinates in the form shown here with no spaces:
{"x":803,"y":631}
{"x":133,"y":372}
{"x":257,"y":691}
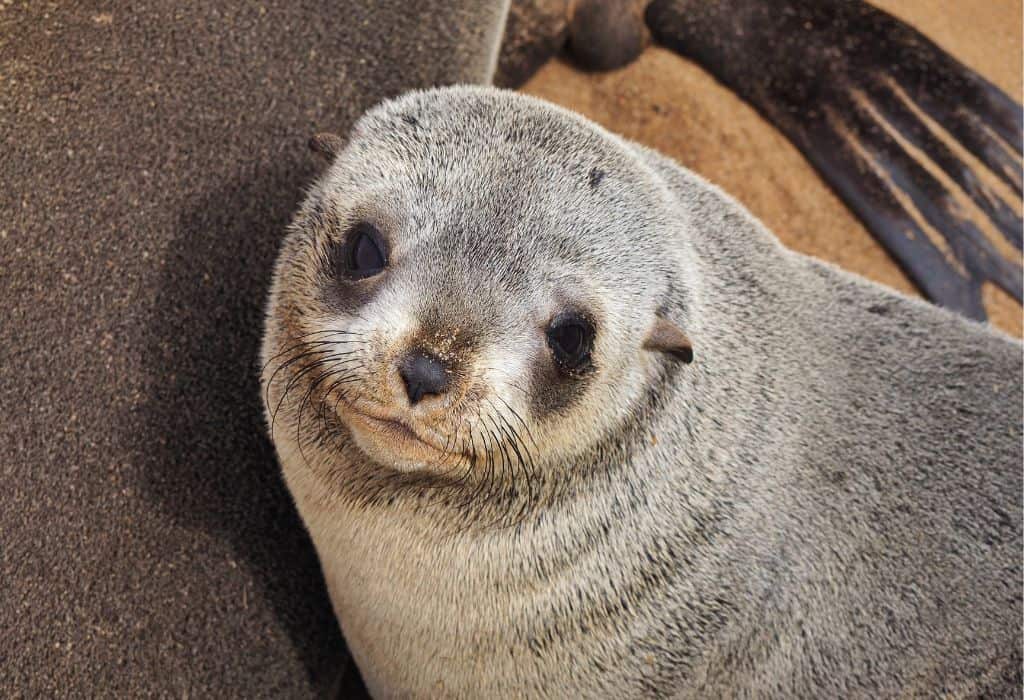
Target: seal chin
{"x":392,"y":442}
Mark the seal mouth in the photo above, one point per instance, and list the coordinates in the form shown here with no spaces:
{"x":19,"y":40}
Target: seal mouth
{"x":391,"y":427}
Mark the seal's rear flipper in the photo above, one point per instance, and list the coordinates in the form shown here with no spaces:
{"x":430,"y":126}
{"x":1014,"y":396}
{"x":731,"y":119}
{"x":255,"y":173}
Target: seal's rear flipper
{"x":925,"y":151}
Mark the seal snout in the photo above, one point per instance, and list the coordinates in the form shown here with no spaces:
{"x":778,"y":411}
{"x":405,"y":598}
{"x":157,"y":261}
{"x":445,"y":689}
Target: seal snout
{"x":423,"y":373}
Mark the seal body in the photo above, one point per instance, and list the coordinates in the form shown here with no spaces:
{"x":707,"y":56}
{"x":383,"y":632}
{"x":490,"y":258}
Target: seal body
{"x":824,"y":502}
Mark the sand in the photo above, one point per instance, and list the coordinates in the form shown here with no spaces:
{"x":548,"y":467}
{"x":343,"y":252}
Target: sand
{"x":673,"y":105}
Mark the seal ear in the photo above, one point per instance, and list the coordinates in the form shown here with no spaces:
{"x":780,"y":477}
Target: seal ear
{"x":326,"y":145}
{"x":667,"y":337}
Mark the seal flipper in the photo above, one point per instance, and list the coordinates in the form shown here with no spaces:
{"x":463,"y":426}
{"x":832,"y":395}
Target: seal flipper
{"x":806,"y":60}
{"x":896,"y":109}
{"x":871,"y":199}
{"x":878,"y":153}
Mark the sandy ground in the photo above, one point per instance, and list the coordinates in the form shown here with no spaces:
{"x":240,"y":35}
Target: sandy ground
{"x":672,"y":104}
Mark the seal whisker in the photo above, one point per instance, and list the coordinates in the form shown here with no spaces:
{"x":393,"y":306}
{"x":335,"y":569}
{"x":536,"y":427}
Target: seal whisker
{"x":285,"y":364}
{"x":515,"y":413}
{"x":288,"y":363}
{"x":288,"y":386}
{"x":473,"y":454}
{"x":527,"y":462}
{"x":305,"y":401}
{"x":293,"y":381}
{"x":453,"y":439}
{"x":507,"y":465}
{"x":486,"y":481}
{"x":513,"y":440}
{"x":341,"y":394}
{"x":298,"y":342}
{"x":346,"y":376}
{"x":304,"y":343}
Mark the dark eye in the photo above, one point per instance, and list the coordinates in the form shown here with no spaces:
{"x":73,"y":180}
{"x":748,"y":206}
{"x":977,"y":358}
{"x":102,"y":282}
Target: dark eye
{"x":366,"y":252}
{"x":570,"y":337}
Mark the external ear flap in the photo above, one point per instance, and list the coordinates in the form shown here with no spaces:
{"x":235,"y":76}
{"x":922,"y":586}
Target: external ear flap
{"x":326,"y":145}
{"x":666,"y":336}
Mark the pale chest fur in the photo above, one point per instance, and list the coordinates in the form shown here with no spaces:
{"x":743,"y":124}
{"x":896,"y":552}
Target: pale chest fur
{"x":571,"y":606}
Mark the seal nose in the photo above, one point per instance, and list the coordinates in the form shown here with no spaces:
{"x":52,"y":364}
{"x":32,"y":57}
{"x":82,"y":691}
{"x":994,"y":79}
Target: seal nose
{"x":423,"y":374}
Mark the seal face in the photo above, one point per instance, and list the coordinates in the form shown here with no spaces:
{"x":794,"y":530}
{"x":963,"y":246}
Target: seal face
{"x":464,"y":300}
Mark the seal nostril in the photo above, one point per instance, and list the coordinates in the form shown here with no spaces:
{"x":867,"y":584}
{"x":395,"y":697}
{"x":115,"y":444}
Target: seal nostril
{"x":423,"y":374}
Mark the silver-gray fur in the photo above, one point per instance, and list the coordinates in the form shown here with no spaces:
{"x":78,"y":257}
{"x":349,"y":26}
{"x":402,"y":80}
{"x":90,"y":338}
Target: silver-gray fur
{"x":825,"y":503}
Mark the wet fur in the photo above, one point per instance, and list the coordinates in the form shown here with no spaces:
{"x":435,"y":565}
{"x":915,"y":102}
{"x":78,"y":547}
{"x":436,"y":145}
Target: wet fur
{"x":826,"y":502}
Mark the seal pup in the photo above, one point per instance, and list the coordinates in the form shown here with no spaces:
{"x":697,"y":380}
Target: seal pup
{"x":564,"y":420}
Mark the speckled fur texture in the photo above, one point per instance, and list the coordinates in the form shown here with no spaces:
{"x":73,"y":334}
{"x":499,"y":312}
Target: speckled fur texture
{"x":825,"y":503}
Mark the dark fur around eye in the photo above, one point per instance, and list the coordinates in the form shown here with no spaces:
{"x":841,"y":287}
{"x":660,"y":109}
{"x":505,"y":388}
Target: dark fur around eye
{"x":561,"y":379}
{"x":571,"y":339}
{"x":364,"y":253}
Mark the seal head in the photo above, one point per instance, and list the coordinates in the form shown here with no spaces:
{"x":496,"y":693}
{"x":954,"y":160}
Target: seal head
{"x":472,"y":294}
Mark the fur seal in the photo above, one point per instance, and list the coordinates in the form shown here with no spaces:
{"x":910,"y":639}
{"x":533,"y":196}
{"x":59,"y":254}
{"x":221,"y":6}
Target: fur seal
{"x":564,"y":420}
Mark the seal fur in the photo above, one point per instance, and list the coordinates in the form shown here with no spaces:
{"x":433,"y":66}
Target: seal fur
{"x":825,"y":501}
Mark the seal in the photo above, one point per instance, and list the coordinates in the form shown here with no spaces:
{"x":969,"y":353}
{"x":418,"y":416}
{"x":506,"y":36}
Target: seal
{"x":563,"y":420}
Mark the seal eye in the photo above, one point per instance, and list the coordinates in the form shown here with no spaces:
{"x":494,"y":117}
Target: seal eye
{"x":366,"y":256}
{"x":570,"y":337}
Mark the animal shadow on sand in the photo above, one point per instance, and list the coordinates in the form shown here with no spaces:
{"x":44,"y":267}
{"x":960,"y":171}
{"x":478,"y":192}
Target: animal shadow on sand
{"x":211,"y":464}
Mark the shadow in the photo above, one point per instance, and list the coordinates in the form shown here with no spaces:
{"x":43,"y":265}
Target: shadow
{"x":211,"y":464}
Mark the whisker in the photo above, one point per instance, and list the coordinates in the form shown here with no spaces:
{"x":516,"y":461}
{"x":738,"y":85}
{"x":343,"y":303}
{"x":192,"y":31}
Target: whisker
{"x":288,"y":363}
{"x":313,"y":385}
{"x":507,"y":462}
{"x":292,"y":382}
{"x":350,"y":375}
{"x":527,"y":463}
{"x":529,"y":434}
{"x":302,"y":343}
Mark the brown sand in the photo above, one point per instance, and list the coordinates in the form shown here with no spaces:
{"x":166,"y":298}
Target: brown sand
{"x":673,"y":105}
